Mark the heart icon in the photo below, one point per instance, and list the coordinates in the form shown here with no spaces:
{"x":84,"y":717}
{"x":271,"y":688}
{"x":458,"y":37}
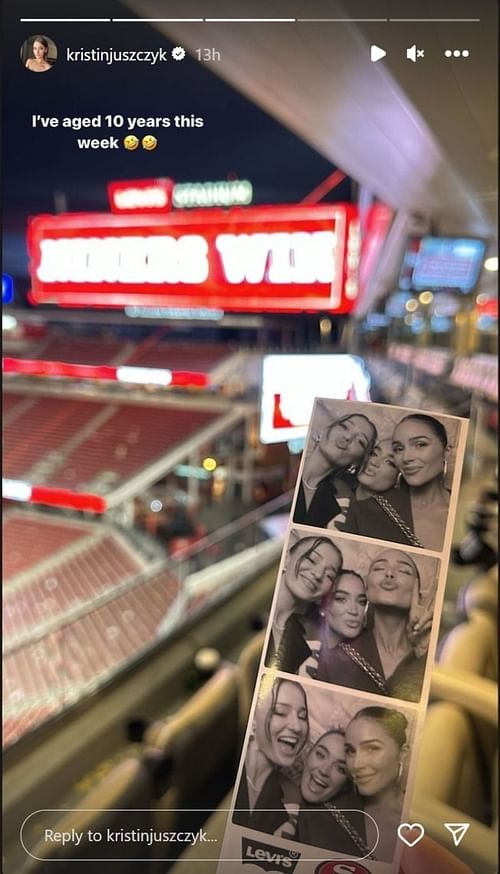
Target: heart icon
{"x":415,"y":827}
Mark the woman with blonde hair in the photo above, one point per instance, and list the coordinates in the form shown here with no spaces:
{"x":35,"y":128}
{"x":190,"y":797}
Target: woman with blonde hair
{"x":389,"y":656}
{"x":281,"y":731}
{"x":329,"y":475}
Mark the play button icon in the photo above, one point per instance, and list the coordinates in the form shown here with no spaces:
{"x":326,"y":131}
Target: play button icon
{"x":376,"y":53}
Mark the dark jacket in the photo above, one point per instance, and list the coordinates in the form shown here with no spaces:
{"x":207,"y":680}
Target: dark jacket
{"x":269,"y":812}
{"x":320,"y":827}
{"x":292,"y":649}
{"x":369,"y":519}
{"x":338,"y":666}
{"x":324,"y":505}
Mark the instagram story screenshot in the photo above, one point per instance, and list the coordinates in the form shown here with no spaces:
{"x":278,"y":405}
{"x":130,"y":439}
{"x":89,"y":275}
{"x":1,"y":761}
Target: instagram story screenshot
{"x":250,"y":430}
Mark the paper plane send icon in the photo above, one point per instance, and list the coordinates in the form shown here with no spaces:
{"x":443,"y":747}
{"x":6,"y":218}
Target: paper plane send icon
{"x":457,"y":830}
{"x":376,"y":53}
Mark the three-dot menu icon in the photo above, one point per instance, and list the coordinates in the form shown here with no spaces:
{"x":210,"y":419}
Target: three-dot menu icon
{"x":457,"y":53}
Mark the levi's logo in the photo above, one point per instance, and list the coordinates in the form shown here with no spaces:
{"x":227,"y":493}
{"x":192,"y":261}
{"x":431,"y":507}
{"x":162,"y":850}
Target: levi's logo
{"x":341,"y":868}
{"x":268,"y":858}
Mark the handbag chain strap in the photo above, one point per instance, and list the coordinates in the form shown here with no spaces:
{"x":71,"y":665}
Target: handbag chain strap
{"x":365,"y":666}
{"x":396,"y":518}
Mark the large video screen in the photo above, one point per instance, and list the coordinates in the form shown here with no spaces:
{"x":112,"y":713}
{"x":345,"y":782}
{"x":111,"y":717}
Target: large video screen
{"x":291,"y":382}
{"x":442,"y":263}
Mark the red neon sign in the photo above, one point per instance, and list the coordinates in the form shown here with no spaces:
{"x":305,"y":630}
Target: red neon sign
{"x":140,"y":196}
{"x":257,"y":259}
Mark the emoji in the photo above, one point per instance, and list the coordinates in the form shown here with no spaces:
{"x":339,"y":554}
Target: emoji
{"x":149,"y":142}
{"x":131,"y":142}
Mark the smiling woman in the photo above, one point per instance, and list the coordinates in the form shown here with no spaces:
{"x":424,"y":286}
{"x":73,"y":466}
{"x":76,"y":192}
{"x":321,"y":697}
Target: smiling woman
{"x":421,"y":450}
{"x":311,"y":567}
{"x":327,"y":816}
{"x":325,"y":771}
{"x":414,"y":510}
{"x":365,"y":626}
{"x":281,"y":730}
{"x":376,"y":748}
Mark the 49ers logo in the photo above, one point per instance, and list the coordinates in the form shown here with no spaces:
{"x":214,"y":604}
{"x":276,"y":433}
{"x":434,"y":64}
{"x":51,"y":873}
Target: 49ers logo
{"x":341,"y":868}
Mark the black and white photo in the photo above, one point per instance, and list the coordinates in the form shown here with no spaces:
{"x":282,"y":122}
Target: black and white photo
{"x":325,"y":769}
{"x":385,"y":473}
{"x":328,"y":764}
{"x":280,"y":732}
{"x":311,"y":567}
{"x":340,"y":442}
{"x":354,"y":614}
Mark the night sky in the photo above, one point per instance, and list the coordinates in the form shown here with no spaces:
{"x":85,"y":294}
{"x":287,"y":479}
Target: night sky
{"x":237,"y":138}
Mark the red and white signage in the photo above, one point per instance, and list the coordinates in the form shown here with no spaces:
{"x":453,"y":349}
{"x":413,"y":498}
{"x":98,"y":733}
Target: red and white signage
{"x":27,"y":493}
{"x":257,"y":259}
{"x":127,"y":374}
{"x":141,"y":195}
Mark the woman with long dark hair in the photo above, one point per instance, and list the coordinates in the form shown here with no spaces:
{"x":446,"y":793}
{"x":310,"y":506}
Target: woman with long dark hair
{"x":421,"y":450}
{"x":328,"y":817}
{"x":39,"y":63}
{"x":415,"y":511}
{"x":376,"y":747}
{"x":343,"y":614}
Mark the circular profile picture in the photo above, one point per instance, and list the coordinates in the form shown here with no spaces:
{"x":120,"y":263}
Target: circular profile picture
{"x":38,"y":53}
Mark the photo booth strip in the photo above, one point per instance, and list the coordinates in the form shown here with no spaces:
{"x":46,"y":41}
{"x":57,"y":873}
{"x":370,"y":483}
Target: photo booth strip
{"x":270,"y":841}
{"x":312,"y":644}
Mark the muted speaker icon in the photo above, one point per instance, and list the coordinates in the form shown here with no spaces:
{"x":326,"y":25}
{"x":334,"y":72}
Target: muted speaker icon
{"x":413,"y":53}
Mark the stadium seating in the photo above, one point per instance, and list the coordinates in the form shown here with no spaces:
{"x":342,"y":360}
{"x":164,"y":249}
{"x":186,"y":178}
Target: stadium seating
{"x":472,"y":646}
{"x":45,"y":426}
{"x":12,"y":404}
{"x":81,"y":350}
{"x":85,"y":444}
{"x":453,"y":781}
{"x":98,"y":350}
{"x":181,"y":356}
{"x":43,"y":677}
{"x":126,"y":787}
{"x":72,"y":583}
{"x":481,"y":593}
{"x":200,"y":741}
{"x":32,"y":538}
